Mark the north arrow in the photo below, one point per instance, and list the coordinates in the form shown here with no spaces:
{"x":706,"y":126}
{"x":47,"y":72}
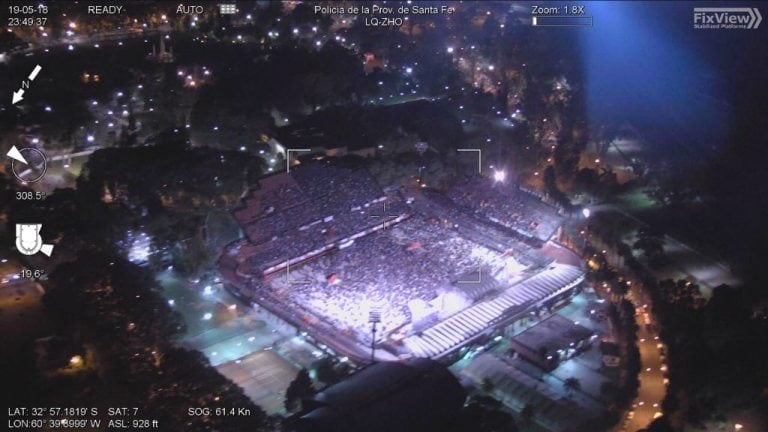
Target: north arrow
{"x":18,"y":96}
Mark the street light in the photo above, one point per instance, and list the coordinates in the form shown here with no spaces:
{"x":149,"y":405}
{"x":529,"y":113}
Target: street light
{"x":499,"y":175}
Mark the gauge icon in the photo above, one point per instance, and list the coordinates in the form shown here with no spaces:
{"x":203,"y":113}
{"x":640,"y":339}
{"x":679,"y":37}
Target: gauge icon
{"x":28,"y":164}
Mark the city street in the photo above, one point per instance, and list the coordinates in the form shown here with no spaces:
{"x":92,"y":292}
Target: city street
{"x":647,"y":405}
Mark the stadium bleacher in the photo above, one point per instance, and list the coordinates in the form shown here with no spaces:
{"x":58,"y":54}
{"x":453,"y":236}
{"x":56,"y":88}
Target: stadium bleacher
{"x":506,"y":205}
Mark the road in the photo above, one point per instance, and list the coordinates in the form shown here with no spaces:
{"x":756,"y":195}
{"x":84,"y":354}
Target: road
{"x":118,"y":35}
{"x":64,"y":157}
{"x":653,"y":386}
{"x":21,"y":313}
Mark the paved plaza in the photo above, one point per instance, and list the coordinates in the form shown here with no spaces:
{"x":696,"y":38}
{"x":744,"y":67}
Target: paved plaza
{"x":264,"y":376}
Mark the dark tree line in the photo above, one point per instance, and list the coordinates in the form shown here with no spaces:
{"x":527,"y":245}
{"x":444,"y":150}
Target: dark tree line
{"x":114,"y":308}
{"x":170,"y":190}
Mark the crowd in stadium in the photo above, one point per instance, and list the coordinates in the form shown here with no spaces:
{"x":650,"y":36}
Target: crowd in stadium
{"x":385,"y":271}
{"x":294,"y":213}
{"x":482,"y":231}
{"x":506,"y":205}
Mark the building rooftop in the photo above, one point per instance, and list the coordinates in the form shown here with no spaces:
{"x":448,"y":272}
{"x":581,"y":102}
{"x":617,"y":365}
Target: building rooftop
{"x":552,"y":334}
{"x":415,"y":395}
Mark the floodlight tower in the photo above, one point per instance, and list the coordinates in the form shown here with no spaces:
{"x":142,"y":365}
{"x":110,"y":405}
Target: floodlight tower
{"x":374,"y":317}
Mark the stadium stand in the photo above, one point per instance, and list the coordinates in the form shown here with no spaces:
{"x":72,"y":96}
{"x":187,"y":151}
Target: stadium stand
{"x":508,"y":206}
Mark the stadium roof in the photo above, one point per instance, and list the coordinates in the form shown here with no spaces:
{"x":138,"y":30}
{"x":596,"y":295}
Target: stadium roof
{"x":473,"y":321}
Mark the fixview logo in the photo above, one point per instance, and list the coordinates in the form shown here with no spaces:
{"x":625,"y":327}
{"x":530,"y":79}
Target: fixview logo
{"x":726,"y":18}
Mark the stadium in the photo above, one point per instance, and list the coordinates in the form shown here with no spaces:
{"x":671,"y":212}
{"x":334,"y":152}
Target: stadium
{"x":413,"y":272}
